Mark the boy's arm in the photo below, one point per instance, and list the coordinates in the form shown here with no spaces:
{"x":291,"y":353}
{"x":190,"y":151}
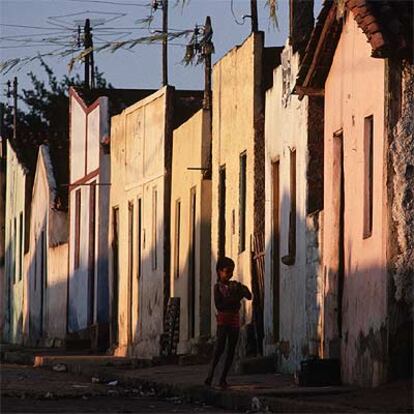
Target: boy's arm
{"x":245,"y":292}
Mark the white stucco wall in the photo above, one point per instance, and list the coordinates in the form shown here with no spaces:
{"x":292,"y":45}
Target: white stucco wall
{"x":138,"y":137}
{"x":354,"y":90}
{"x":286,"y":128}
{"x":14,"y":264}
{"x":190,"y":149}
{"x":88,"y":164}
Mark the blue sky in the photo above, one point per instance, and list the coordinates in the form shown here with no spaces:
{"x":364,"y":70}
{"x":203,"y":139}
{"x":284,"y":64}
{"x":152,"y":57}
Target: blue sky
{"x":140,"y":67}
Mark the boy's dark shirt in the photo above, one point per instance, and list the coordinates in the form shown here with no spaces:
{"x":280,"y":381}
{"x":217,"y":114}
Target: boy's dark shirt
{"x":230,"y":302}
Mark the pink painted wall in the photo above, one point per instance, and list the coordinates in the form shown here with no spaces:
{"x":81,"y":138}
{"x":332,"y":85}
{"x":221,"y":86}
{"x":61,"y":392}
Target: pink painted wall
{"x":354,"y":90}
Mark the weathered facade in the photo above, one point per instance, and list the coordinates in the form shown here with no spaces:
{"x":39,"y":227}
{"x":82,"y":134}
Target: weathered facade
{"x":364,"y":308}
{"x":89,"y":193}
{"x":14,"y":248}
{"x":237,"y":227}
{"x":47,"y":259}
{"x":88,"y":213}
{"x":141,"y":156}
{"x":293,"y":229}
{"x":190,"y":228}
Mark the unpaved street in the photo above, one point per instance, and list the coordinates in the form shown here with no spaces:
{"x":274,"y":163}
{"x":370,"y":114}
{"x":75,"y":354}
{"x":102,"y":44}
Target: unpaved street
{"x":26,"y":389}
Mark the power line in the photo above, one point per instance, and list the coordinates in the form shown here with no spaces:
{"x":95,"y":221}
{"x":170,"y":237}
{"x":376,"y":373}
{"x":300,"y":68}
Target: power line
{"x":29,"y":27}
{"x":110,"y":2}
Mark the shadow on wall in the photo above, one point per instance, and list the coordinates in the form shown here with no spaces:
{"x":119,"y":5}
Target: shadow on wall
{"x":13,"y":303}
{"x":370,"y":331}
{"x":45,"y":308}
{"x":31,"y":317}
{"x":347,"y":318}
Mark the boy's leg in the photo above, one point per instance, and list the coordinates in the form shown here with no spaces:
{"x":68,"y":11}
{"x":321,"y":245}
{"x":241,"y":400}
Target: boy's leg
{"x":233,"y":335}
{"x":219,"y":349}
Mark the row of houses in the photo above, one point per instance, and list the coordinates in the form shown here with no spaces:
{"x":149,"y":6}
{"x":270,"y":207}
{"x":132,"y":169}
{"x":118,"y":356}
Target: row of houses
{"x":301,"y":170}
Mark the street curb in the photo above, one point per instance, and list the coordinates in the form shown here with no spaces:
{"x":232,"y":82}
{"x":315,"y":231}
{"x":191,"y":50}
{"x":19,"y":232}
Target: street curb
{"x":228,"y":399}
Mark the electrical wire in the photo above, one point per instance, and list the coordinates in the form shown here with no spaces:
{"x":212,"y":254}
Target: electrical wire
{"x":21,"y":26}
{"x":234,"y":15}
{"x":110,"y":2}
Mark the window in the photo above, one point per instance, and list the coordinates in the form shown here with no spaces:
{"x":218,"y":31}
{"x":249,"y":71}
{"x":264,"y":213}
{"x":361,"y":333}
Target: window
{"x":368,"y":175}
{"x":154,"y":228}
{"x":177,"y":238}
{"x":289,"y":259}
{"x":77,"y":227}
{"x":222,"y":212}
{"x":242,"y":203}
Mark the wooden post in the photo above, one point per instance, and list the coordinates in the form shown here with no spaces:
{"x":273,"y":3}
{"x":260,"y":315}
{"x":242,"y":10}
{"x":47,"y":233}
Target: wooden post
{"x":253,"y":13}
{"x":165,"y":43}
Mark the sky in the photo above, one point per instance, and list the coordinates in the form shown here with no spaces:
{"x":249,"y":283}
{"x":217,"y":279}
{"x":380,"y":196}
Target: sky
{"x":140,"y":67}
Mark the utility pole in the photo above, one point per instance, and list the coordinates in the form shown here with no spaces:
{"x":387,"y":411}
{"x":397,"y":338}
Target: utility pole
{"x":88,"y":44}
{"x":207,"y":51}
{"x":253,"y":13}
{"x":15,"y":109}
{"x":165,"y":42}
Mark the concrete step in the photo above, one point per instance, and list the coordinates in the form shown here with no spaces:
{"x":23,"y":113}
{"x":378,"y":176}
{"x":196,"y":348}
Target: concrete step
{"x":257,"y":365}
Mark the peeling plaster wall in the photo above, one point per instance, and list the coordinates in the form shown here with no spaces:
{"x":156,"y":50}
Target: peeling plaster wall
{"x":14,"y":273}
{"x":287,"y":127}
{"x":401,"y":217}
{"x":402,"y":158}
{"x":191,"y":146}
{"x":138,"y":138}
{"x":354,"y":90}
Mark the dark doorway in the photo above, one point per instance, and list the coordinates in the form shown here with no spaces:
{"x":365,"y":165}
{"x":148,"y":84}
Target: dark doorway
{"x":115,"y":272}
{"x":192,"y":265}
{"x":275,"y":282}
{"x":139,"y":261}
{"x":42,"y":283}
{"x":130,"y":266}
{"x":339,"y":203}
{"x":91,"y":253}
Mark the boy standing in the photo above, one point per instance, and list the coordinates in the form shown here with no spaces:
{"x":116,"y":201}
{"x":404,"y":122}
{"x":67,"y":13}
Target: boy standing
{"x":227,"y":297}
